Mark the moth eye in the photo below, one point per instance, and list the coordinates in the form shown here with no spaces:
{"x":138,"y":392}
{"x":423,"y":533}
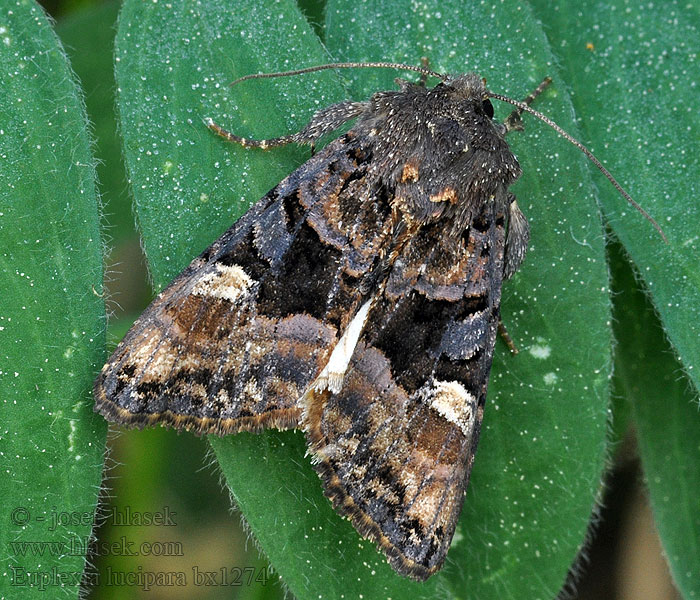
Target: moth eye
{"x":488,"y":108}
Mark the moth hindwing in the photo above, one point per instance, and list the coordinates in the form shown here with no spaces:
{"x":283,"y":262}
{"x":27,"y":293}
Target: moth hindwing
{"x":358,"y":301}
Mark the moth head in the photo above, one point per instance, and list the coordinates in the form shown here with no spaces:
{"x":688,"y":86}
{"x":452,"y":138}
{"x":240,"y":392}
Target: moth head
{"x":471,"y":93}
{"x":471,"y":89}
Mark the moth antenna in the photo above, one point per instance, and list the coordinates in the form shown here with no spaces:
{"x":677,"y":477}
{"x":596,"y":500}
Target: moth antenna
{"x":523,"y":106}
{"x":345,"y":65}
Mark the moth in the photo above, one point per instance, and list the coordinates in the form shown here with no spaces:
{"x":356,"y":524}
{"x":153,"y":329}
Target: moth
{"x":358,"y":301}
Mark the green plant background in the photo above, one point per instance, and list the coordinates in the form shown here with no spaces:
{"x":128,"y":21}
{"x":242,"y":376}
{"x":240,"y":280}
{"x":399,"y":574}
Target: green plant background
{"x":623,"y":83}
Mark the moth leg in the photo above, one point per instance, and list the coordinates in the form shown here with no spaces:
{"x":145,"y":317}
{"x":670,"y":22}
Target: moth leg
{"x":503,"y":332}
{"x":517,"y":238}
{"x":324,"y":121}
{"x":514,"y":121}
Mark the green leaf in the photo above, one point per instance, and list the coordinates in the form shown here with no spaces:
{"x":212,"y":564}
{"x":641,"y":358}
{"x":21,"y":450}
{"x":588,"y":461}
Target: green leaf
{"x":51,"y":314}
{"x":173,"y":67}
{"x":666,"y":415}
{"x":540,"y":462}
{"x":540,"y":459}
{"x":641,"y":59}
{"x":635,"y":90}
{"x":88,"y":36}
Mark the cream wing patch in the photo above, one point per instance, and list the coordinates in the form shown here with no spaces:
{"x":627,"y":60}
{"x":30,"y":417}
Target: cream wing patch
{"x":452,"y":401}
{"x":228,"y":282}
{"x":331,"y":378}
